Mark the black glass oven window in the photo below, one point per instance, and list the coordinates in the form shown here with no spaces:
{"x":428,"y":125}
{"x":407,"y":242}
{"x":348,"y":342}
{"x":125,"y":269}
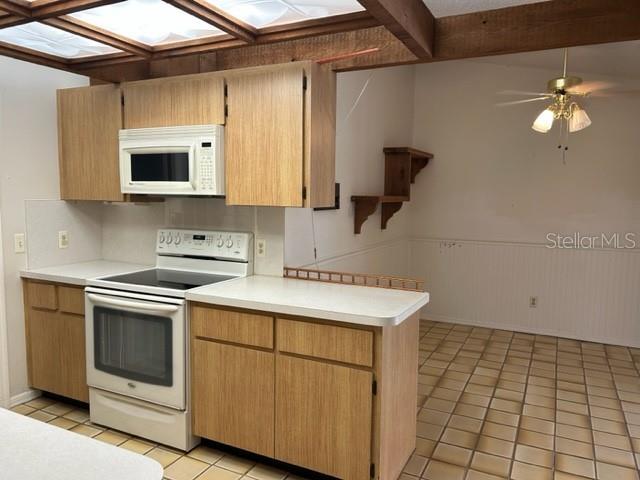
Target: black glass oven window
{"x":133,"y":345}
{"x":160,"y":167}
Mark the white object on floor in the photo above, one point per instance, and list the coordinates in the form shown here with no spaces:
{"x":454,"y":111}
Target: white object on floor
{"x":79,"y":273}
{"x":372,"y":306}
{"x":33,"y":450}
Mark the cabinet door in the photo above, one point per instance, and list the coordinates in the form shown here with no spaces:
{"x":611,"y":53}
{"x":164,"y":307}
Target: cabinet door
{"x":233,"y":395}
{"x":57,"y":354}
{"x":264,"y":138}
{"x":323,"y":417}
{"x":89,"y":119}
{"x":174,"y":101}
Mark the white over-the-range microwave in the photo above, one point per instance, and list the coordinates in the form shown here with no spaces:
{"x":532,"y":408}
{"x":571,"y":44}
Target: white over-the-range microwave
{"x":185,"y":160}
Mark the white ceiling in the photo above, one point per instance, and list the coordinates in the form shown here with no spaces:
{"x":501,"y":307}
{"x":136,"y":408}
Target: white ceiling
{"x":607,"y":59}
{"x":444,"y":8}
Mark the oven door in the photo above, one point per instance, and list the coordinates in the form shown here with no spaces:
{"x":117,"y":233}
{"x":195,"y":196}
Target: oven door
{"x":165,"y":167}
{"x":136,"y":345}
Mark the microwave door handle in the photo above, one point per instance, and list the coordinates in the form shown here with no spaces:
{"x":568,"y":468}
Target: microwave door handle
{"x":155,"y":307}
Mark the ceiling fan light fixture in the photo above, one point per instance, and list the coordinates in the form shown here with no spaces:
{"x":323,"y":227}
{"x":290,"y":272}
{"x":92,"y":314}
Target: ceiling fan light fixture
{"x":579,"y":119}
{"x":544,"y":121}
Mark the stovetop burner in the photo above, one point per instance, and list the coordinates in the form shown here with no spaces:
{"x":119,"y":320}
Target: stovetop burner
{"x":164,"y":278}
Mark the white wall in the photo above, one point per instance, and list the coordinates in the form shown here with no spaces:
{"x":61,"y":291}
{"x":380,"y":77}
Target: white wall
{"x":480,"y":212}
{"x":28,"y":170}
{"x":367,"y":121}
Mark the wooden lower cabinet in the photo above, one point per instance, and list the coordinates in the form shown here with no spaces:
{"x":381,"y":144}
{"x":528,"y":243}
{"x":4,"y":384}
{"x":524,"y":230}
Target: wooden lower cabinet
{"x":56,"y":339}
{"x":331,"y":397}
{"x":233,"y":395}
{"x":323,"y":417}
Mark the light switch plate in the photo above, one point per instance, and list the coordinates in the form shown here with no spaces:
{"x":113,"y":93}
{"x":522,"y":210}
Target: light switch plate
{"x":18,"y":243}
{"x":63,"y":239}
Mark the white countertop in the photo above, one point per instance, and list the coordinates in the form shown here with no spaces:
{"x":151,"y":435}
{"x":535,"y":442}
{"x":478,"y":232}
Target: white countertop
{"x":79,"y":273}
{"x":33,"y":450}
{"x":329,"y":301}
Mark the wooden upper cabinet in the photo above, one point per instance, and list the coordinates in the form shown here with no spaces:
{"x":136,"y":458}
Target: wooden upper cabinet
{"x":89,"y":119}
{"x":264,"y":138}
{"x":174,"y":101}
{"x":280,"y":136}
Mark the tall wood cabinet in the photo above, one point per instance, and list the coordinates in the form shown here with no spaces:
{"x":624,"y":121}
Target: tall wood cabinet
{"x":89,"y":119}
{"x":334,"y":398}
{"x":279,"y":131}
{"x":279,"y":140}
{"x":55,"y":333}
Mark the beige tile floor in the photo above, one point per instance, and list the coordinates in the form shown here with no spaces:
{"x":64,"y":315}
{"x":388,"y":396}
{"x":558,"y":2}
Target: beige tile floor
{"x":491,"y":404}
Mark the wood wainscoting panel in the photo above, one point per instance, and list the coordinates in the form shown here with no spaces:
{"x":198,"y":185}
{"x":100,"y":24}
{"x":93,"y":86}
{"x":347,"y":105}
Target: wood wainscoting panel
{"x":323,"y":417}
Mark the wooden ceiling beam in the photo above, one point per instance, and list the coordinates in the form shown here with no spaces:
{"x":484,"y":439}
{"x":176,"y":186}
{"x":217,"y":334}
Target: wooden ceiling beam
{"x":78,"y":27}
{"x":216,"y":17}
{"x":15,"y":7}
{"x":536,"y":26}
{"x":410,"y":21}
{"x":12,"y":20}
{"x":41,"y":9}
{"x":33,"y":56}
{"x":292,"y":31}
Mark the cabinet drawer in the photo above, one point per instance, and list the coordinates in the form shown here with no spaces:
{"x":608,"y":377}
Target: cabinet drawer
{"x":42,"y":295}
{"x":230,"y":326}
{"x":348,"y":345}
{"x":71,"y":300}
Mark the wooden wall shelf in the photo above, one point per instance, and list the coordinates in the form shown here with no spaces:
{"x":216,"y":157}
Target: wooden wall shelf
{"x":402,"y":165}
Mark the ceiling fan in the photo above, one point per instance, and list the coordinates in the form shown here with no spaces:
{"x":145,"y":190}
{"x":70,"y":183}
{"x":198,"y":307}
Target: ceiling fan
{"x":563,"y":93}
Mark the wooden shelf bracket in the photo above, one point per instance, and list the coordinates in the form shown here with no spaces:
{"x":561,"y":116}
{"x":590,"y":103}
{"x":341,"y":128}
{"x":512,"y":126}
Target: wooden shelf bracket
{"x":402,"y":165}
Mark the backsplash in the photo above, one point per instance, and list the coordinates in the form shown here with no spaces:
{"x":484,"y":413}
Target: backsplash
{"x":127,"y":232}
{"x":45,"y":218}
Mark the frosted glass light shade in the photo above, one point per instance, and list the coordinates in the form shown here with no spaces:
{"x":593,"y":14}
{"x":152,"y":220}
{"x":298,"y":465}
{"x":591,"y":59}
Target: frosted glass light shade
{"x":51,"y":40}
{"x":543,"y":122}
{"x":265,"y":13}
{"x":148,"y":21}
{"x":579,"y":120}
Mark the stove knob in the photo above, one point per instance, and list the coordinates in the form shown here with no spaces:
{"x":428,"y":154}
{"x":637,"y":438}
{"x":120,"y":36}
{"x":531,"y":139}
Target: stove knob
{"x":177,"y":240}
{"x":162,"y":238}
{"x":169,"y":239}
{"x":230,"y":242}
{"x":220,"y":242}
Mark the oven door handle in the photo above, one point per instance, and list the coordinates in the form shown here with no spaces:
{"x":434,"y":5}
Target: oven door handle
{"x":150,"y":307}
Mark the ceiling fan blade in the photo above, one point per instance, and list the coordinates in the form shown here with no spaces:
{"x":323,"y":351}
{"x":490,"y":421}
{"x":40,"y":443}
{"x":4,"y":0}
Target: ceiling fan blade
{"x":520,"y":92}
{"x":517,"y":102}
{"x":614,"y":93}
{"x":589,"y":88}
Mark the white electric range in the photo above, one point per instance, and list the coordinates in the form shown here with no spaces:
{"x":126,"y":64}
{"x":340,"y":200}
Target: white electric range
{"x":137,"y":331}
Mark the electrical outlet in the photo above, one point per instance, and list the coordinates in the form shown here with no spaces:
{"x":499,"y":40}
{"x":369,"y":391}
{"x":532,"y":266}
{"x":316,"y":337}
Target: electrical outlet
{"x":18,"y":243}
{"x":63,"y":239}
{"x":261,"y":247}
{"x":533,"y":302}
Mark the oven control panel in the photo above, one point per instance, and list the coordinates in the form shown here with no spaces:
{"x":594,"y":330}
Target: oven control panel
{"x":236,"y":246}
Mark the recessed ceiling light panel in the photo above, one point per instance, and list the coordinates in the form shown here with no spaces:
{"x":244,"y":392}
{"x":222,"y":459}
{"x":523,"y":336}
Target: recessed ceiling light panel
{"x":148,"y":21}
{"x":266,"y":13}
{"x":51,"y":40}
